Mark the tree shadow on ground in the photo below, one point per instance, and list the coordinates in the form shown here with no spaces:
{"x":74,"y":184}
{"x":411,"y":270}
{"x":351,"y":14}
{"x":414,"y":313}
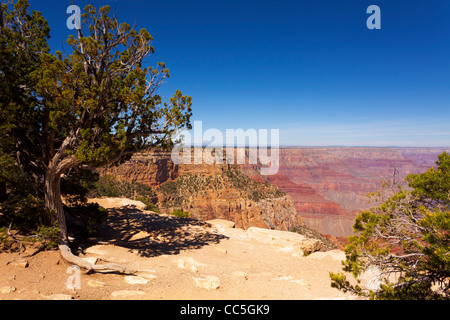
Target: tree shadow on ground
{"x":152,"y":234}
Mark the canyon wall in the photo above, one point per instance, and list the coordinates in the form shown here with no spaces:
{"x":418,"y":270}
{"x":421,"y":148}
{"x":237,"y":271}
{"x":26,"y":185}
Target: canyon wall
{"x":329,"y":185}
{"x":326,"y":187}
{"x":210,"y":192}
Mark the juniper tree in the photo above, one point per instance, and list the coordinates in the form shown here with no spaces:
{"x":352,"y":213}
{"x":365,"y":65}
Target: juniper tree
{"x":97,"y":105}
{"x":407,"y":237}
{"x":23,"y":40}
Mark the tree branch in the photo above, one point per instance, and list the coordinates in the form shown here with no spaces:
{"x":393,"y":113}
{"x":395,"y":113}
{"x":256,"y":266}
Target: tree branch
{"x":67,"y":255}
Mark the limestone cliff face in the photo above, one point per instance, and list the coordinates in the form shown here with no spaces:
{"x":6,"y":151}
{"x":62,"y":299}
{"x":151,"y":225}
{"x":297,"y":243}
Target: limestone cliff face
{"x":280,"y":213}
{"x":211,"y":192}
{"x":230,"y":196}
{"x":327,"y":186}
{"x":156,"y":167}
{"x":274,"y":213}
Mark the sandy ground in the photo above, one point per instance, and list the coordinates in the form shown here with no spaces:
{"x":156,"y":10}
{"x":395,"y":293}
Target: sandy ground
{"x":174,"y":259}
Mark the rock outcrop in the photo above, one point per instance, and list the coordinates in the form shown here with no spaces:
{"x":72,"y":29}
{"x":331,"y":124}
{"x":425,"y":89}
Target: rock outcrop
{"x":329,"y":186}
{"x":216,"y":191}
{"x":324,"y":187}
{"x":231,"y":196}
{"x":285,"y":240}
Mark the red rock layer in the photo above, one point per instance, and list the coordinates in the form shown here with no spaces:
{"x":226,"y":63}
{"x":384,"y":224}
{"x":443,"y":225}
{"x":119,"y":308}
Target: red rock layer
{"x":328,"y":186}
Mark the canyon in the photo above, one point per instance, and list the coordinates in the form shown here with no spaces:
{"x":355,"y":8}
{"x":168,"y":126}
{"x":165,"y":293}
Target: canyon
{"x":329,"y":185}
{"x":211,"y":192}
{"x":323,"y":188}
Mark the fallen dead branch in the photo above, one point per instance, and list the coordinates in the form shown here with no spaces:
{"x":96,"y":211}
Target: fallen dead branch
{"x":67,"y":255}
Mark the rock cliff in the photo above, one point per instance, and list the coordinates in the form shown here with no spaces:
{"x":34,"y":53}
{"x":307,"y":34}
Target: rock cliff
{"x":211,"y":192}
{"x":327,"y":187}
{"x":231,"y":196}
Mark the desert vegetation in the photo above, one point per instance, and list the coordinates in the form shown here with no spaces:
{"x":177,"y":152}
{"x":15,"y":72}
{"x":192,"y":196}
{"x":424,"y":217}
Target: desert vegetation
{"x":197,"y":184}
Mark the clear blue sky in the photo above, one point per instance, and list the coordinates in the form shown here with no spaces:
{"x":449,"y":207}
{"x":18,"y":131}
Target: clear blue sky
{"x":309,"y":68}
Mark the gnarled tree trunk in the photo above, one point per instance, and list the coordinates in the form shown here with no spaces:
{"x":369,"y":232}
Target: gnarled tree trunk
{"x":53,"y":203}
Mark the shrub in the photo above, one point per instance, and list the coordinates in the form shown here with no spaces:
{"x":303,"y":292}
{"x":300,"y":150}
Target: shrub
{"x":109,"y":186}
{"x":181,"y":214}
{"x":169,"y":188}
{"x":3,"y":236}
{"x":48,"y":236}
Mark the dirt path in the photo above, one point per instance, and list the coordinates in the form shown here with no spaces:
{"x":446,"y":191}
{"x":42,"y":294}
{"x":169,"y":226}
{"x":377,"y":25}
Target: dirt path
{"x":174,"y":259}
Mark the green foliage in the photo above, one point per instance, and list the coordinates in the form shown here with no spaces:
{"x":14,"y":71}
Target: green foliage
{"x":176,"y":193}
{"x":434,"y":184}
{"x":23,"y":38}
{"x":170,"y":187}
{"x":103,"y":98}
{"x":77,"y":184}
{"x":181,"y":214}
{"x":407,"y":237}
{"x":95,"y":106}
{"x":106,"y":186}
{"x":256,"y":190}
{"x":48,"y":236}
{"x":3,"y":237}
{"x":19,"y":197}
{"x":197,"y":184}
{"x":110,"y":186}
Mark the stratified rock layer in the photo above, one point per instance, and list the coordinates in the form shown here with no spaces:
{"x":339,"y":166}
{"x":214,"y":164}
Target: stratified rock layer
{"x":325,"y":187}
{"x":211,"y":192}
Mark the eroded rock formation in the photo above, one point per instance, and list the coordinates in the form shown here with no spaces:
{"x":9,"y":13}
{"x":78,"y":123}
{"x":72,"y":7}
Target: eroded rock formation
{"x":324,"y":187}
{"x":211,"y":192}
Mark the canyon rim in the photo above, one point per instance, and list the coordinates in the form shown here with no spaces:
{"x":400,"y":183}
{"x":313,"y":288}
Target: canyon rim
{"x":324,"y":187}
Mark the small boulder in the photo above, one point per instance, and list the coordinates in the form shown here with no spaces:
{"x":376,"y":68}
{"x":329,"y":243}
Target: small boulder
{"x":96,"y":284}
{"x":22,"y":263}
{"x":189,"y":263}
{"x":285,"y":239}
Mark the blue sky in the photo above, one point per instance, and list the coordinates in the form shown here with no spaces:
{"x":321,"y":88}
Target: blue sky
{"x":309,"y":68}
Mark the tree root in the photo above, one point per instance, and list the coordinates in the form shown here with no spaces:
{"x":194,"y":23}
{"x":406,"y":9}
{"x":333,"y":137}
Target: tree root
{"x":67,"y":255}
{"x":14,"y":239}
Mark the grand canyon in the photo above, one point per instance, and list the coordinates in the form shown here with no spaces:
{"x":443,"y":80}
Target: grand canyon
{"x":323,"y":188}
